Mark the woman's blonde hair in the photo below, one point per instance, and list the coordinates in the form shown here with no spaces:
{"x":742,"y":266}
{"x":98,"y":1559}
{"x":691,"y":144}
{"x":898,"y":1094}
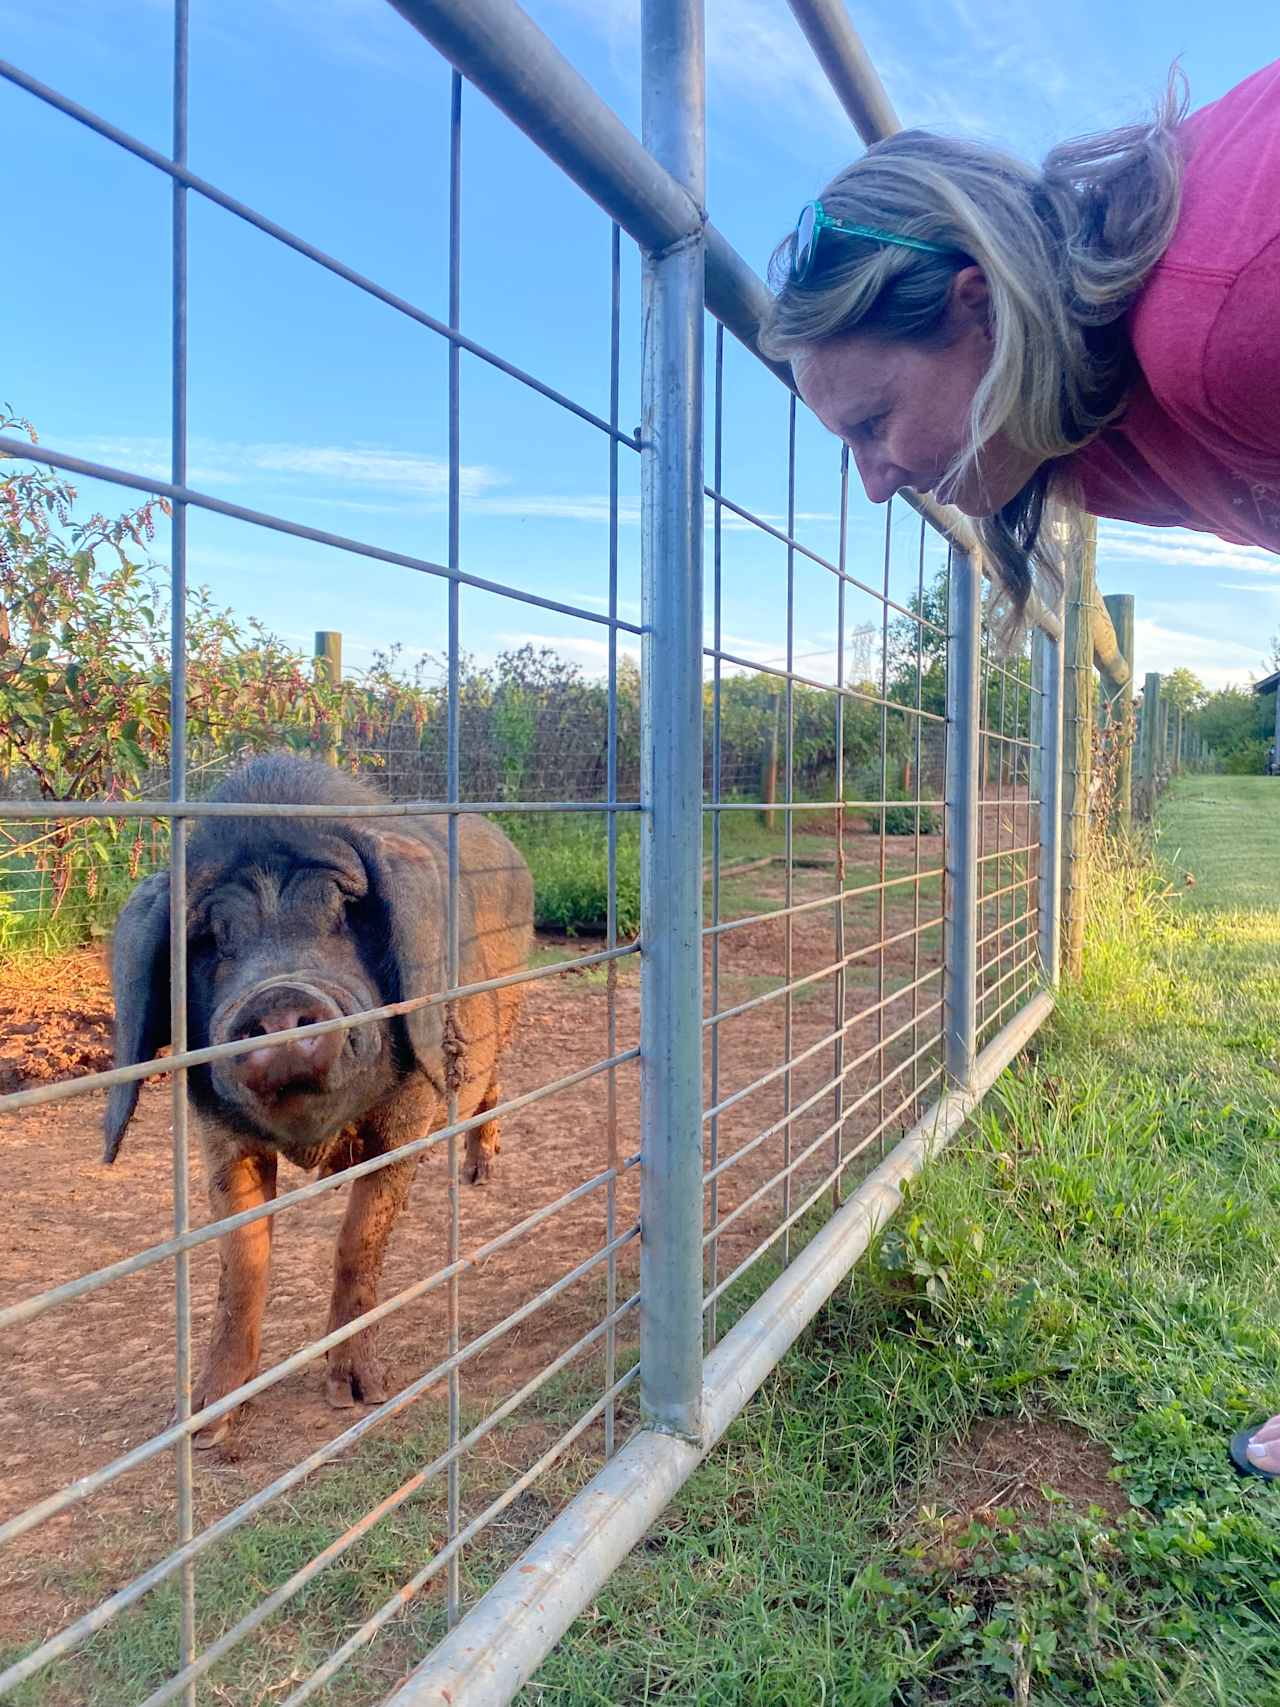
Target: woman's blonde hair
{"x":1064,"y":251}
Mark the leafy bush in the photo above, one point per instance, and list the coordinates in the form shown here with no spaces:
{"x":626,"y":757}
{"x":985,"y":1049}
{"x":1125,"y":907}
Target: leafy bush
{"x":903,"y":820}
{"x":568,"y":856}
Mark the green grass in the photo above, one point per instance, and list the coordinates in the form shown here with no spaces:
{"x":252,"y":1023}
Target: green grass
{"x":1099,"y":1250}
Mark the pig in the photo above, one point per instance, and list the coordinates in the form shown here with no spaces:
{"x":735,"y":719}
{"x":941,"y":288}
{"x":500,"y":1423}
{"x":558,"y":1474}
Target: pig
{"x":291,"y":921}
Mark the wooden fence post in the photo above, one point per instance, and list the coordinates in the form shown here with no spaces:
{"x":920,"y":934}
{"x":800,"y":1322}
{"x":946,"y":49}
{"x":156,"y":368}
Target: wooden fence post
{"x":1150,"y":734}
{"x":1120,"y":609}
{"x":329,"y":664}
{"x":1077,"y":733}
{"x":769,"y":769}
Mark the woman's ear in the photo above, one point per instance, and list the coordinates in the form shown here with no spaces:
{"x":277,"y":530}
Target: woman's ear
{"x":970,"y":301}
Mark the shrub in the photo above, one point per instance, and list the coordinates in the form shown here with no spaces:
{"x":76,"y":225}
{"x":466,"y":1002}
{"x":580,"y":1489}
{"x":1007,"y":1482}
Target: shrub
{"x":569,"y":858}
{"x":902,"y":820}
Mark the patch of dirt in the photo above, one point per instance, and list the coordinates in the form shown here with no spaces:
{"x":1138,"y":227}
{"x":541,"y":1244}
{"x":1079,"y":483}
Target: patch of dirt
{"x":55,"y":1019}
{"x":1013,"y":1464}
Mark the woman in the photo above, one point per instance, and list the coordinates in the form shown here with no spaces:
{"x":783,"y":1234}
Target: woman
{"x":1104,"y":333}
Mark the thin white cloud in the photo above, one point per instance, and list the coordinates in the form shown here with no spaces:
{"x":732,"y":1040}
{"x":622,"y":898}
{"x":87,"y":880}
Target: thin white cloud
{"x":1179,"y":548}
{"x":228,"y":462}
{"x":1215,"y":660}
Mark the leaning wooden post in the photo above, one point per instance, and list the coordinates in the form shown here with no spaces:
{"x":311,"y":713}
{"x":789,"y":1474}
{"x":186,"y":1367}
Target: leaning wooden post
{"x":1120,"y":609}
{"x":329,"y":667}
{"x":1077,"y":736}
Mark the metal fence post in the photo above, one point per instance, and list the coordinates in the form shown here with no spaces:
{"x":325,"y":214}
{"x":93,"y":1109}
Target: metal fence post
{"x":671,"y":762}
{"x":963,"y":804}
{"x":1051,"y":648}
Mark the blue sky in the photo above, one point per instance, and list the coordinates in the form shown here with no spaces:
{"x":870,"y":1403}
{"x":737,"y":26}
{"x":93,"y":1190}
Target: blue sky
{"x":313,"y":401}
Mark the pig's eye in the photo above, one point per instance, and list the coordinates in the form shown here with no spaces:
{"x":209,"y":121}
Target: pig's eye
{"x":223,"y":935}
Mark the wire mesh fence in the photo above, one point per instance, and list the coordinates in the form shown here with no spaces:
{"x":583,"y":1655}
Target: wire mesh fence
{"x":831,"y":928}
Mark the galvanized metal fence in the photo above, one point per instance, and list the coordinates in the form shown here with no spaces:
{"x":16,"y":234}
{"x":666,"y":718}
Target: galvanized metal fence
{"x":795,"y":1049}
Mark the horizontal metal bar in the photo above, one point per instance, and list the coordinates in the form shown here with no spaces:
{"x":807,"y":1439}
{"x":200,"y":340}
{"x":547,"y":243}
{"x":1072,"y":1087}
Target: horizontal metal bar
{"x":72,"y":1492}
{"x":26,"y":1309}
{"x":993,"y":735}
{"x":67,"y":1640}
{"x":1004,"y":853}
{"x":837,"y":1079}
{"x":842,"y":1030}
{"x":499,"y":49}
{"x":269,"y":228}
{"x":809,"y":806}
{"x":19,"y":811}
{"x":499,"y":1644}
{"x":297,"y":530}
{"x":63,"y":1089}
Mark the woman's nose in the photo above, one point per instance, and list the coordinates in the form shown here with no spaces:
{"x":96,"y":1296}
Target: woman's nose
{"x":880,"y":478}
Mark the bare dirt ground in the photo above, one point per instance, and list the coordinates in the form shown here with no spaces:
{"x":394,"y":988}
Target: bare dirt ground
{"x":88,"y":1381}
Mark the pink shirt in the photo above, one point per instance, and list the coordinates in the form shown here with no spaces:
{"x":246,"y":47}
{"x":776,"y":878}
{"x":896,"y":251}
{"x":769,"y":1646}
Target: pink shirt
{"x":1198,"y":445}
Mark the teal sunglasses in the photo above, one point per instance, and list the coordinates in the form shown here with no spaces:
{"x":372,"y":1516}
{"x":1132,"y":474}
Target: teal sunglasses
{"x":814,"y":220}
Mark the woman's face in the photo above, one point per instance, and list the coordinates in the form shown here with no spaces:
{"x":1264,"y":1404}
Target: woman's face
{"x":903,"y":409}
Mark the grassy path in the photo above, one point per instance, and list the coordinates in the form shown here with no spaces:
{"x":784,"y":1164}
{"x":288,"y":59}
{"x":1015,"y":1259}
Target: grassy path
{"x":995,"y":1471}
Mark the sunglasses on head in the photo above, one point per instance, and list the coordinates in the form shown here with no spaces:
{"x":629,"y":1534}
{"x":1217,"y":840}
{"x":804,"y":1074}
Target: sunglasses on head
{"x":814,"y":220}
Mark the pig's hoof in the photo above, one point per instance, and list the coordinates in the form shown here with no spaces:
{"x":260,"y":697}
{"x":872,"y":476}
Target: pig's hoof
{"x":363,"y":1381}
{"x":480,"y":1170}
{"x":214,"y":1435}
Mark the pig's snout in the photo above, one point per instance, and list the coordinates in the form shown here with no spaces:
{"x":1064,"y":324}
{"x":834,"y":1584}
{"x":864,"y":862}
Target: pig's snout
{"x":304,"y":1064}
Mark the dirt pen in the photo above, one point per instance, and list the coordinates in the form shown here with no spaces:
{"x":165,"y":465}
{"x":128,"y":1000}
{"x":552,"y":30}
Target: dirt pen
{"x":700,"y":1126}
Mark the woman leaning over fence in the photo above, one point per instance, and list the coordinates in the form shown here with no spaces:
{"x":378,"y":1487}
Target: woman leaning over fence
{"x":1103,"y":334}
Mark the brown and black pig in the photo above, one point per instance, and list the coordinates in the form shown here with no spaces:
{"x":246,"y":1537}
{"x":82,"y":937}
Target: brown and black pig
{"x":291,"y":921}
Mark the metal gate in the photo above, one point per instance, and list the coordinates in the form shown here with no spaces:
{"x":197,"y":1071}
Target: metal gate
{"x":792,"y":1049}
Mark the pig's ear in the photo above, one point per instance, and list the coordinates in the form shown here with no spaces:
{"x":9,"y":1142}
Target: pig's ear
{"x":409,"y":882}
{"x":140,"y":984}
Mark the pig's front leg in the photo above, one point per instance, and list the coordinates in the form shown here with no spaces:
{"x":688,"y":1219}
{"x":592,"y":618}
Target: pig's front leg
{"x":355,"y":1370}
{"x":236,"y":1182}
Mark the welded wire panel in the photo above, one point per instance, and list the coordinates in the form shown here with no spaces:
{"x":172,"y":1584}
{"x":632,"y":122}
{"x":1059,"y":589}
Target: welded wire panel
{"x":825,"y":693}
{"x":253,"y":1540}
{"x":1009,"y":831}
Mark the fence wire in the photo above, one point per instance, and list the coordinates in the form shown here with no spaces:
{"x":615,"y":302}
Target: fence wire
{"x":301,"y":1546}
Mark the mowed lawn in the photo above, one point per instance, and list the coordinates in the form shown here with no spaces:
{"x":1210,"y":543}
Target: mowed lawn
{"x":995,"y":1469}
